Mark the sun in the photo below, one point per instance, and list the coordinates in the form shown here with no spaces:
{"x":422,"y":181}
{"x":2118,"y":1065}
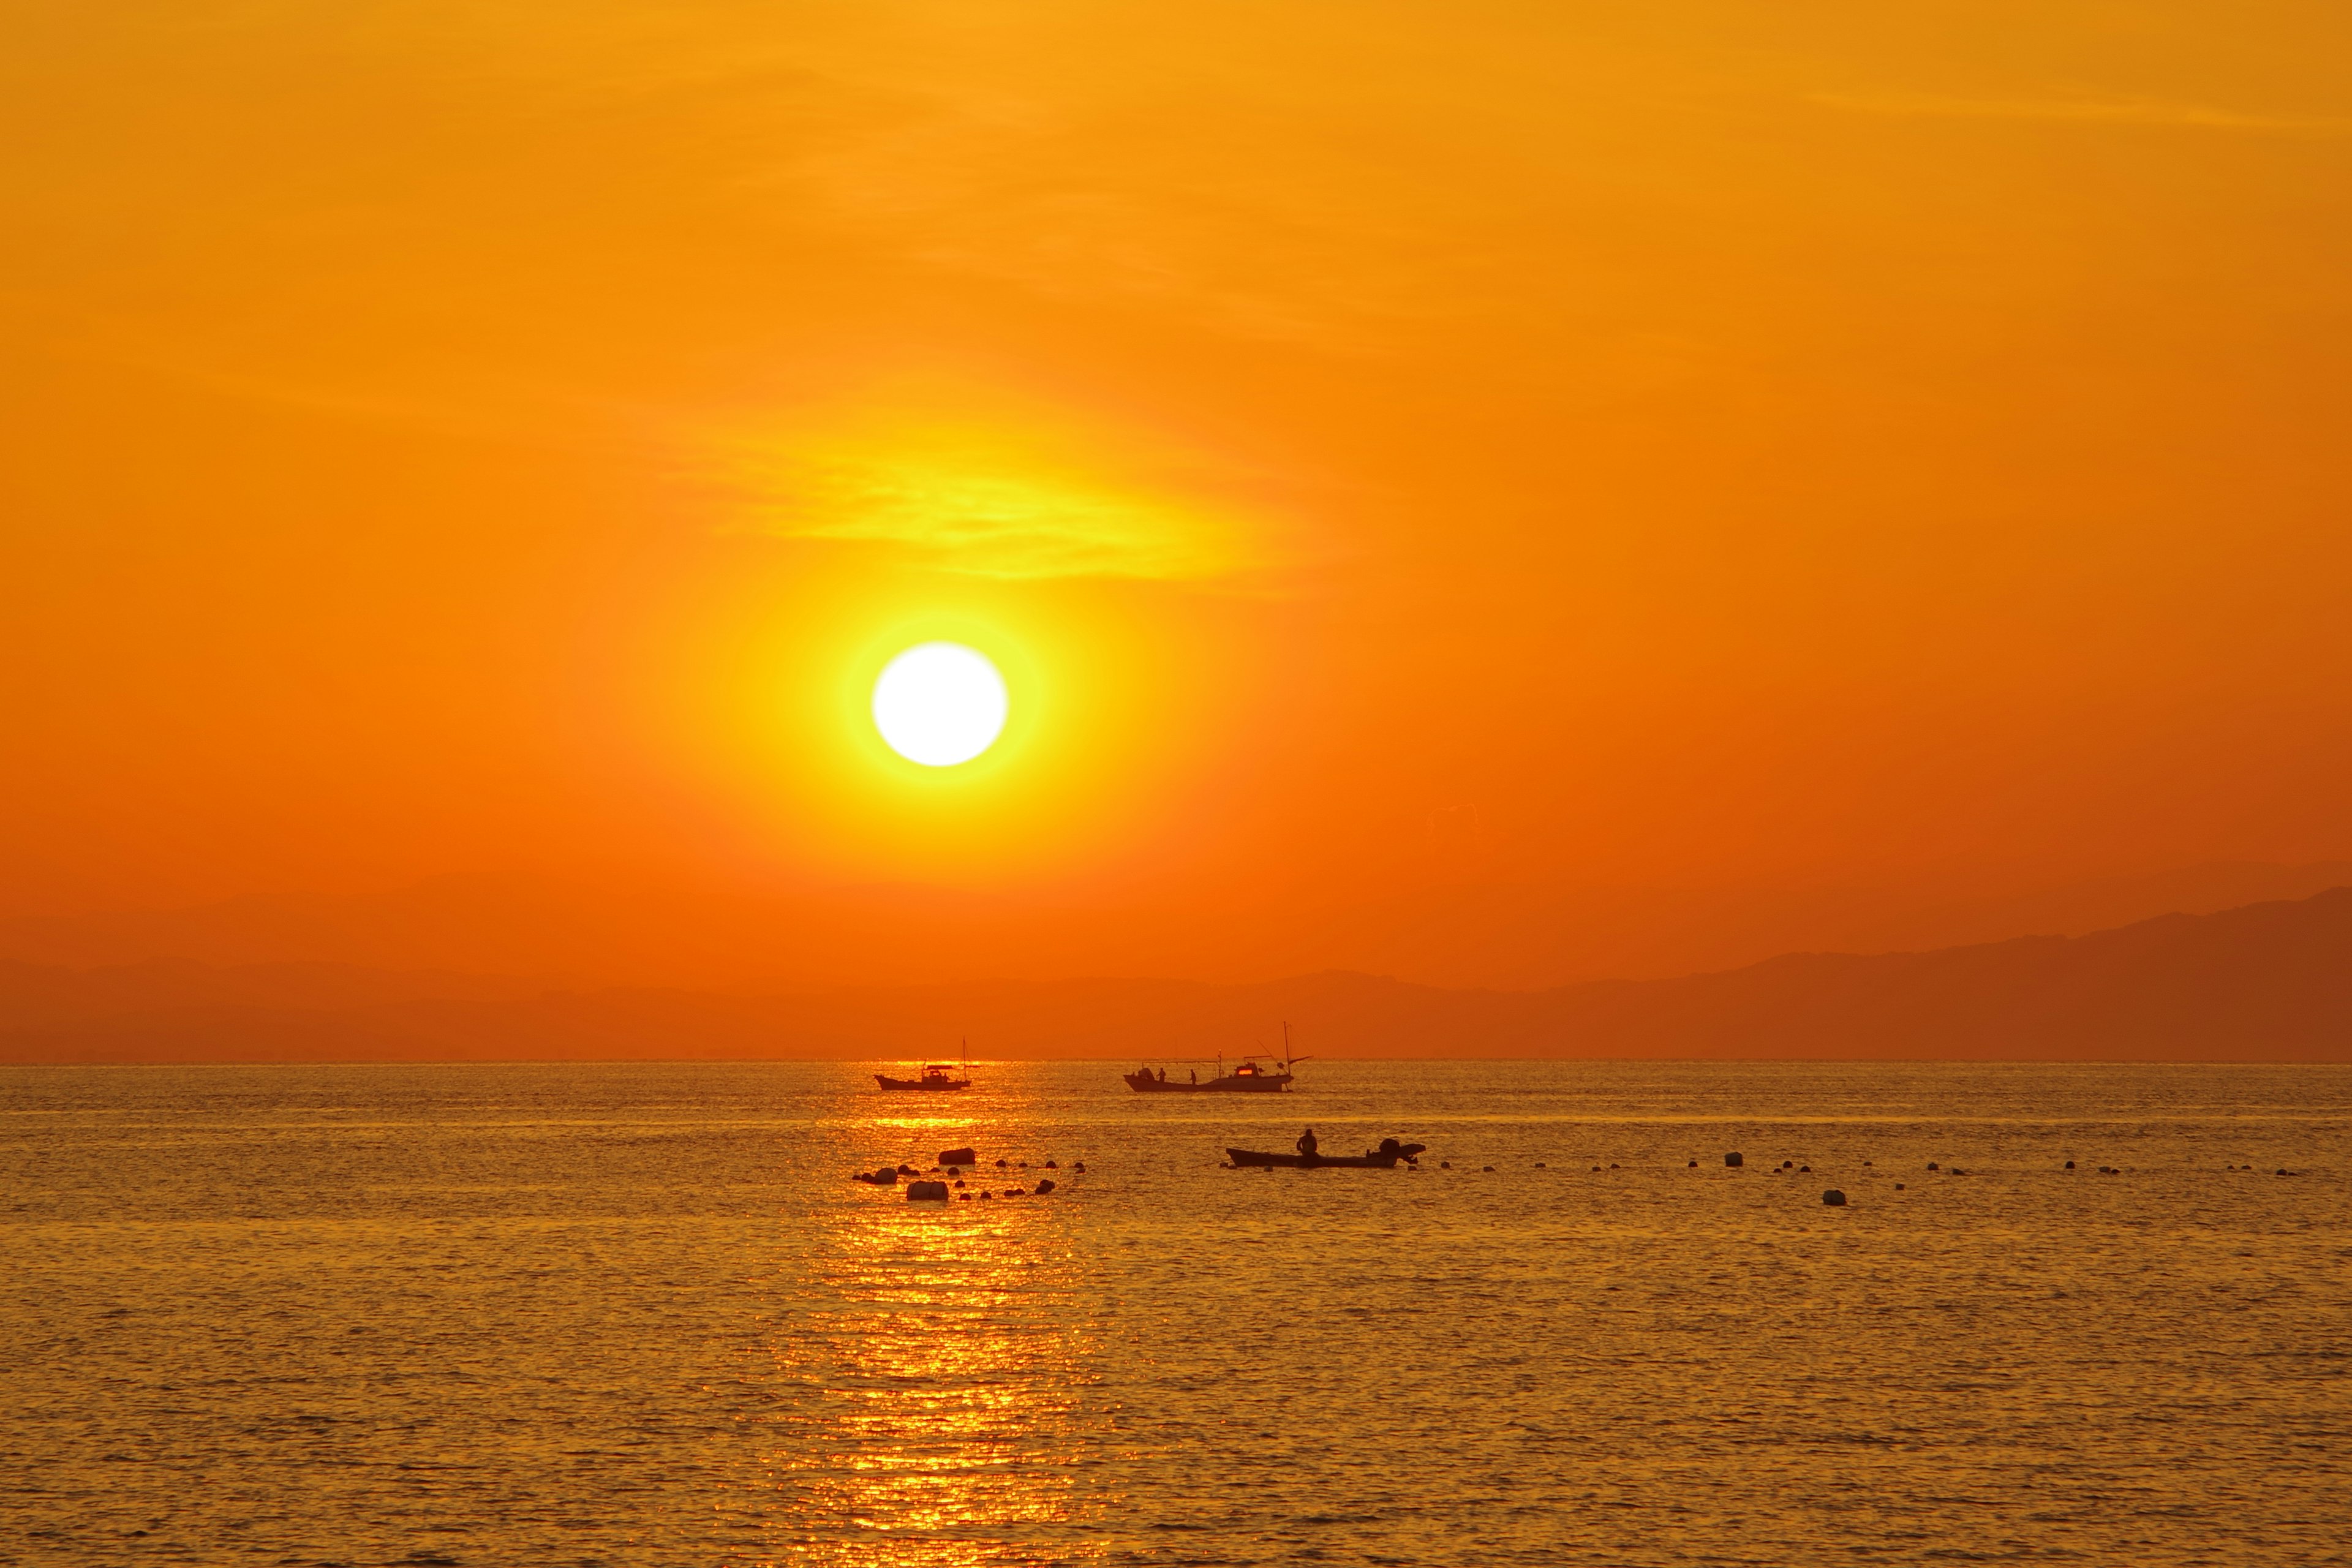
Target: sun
{"x":939,"y":704}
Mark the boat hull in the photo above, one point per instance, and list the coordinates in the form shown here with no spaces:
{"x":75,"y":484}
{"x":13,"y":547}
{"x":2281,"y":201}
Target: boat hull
{"x":922,"y":1085}
{"x":1272,"y":1083}
{"x":1252,"y":1157}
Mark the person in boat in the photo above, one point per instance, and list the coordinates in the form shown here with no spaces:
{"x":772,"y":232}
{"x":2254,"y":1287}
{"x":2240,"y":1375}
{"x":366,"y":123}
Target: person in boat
{"x":1306,"y":1143}
{"x":1163,"y":1074}
{"x":1390,"y":1146}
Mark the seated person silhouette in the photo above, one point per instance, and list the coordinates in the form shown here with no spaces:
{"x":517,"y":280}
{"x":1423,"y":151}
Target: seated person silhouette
{"x":1306,"y":1143}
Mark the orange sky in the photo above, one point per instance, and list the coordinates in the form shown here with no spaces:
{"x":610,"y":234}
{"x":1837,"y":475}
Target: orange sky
{"x":1595,"y":451}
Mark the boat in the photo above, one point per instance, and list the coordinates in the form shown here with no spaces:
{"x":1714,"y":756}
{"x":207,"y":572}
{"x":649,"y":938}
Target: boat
{"x":936,"y":1077}
{"x":1254,"y":1076}
{"x":1384,"y":1158}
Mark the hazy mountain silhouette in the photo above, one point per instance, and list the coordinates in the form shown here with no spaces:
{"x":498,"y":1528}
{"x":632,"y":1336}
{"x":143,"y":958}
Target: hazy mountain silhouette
{"x":2265,"y":982}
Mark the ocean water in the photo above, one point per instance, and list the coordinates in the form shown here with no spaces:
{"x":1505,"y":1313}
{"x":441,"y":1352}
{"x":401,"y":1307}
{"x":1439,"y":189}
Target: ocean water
{"x":639,"y":1314}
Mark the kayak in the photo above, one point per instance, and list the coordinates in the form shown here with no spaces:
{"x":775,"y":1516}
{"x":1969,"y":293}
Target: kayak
{"x":1316,"y":1162}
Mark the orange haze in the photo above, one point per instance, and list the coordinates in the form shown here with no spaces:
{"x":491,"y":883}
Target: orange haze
{"x":1487,"y":493}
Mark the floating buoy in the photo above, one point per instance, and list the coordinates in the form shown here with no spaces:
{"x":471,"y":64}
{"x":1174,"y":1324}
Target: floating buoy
{"x":1898,"y":1186}
{"x":1445,"y":1164}
{"x":1596,"y":1167}
{"x":1734,"y":1161}
{"x":2070,"y":1164}
{"x":1612,"y":1164}
{"x":1052,"y":1166}
{"x":1835,"y":1198}
{"x":1805,"y":1170}
{"x":1933,"y":1166}
{"x":1540,"y":1166}
{"x":1045,"y":1187}
{"x":922,"y":1191}
{"x":958,"y":1157}
{"x":1079,"y":1166}
{"x":1694,"y":1164}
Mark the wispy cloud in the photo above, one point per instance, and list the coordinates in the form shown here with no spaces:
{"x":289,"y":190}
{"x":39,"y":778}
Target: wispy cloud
{"x":2084,"y":111}
{"x":985,"y":496}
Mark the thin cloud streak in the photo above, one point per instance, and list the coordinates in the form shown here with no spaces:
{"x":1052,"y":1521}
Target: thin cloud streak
{"x":2082,"y":112}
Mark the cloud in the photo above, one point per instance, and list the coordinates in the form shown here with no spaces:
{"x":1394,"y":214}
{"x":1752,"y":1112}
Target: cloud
{"x":2082,"y":112}
{"x":993,"y":495}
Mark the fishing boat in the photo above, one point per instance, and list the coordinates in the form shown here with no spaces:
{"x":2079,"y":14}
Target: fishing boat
{"x":1384,"y":1158}
{"x":936,"y":1078}
{"x":1255,"y":1075}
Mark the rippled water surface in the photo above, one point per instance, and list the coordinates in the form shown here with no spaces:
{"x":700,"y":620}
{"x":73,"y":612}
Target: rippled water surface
{"x":611,"y":1314}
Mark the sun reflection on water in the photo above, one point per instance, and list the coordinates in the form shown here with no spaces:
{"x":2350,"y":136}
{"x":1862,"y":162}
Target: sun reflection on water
{"x":937,"y":1380}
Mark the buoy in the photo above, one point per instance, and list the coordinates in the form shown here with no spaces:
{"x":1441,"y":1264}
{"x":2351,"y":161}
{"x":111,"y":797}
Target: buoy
{"x":2070,"y":1164}
{"x":1898,"y":1186}
{"x":2282,"y":1171}
{"x":920,"y":1192}
{"x":1596,"y":1167}
{"x":1445,"y":1164}
{"x":1079,"y":1166}
{"x":1694,"y":1164}
{"x":984,"y":1193}
{"x":1804,"y":1170}
{"x":959,"y":1183}
{"x":1052,"y":1166}
{"x":1540,"y":1166}
{"x":1786,"y":1164}
{"x":963,"y":1197}
{"x":1000,"y":1165}
{"x":958,"y":1157}
{"x":1045,"y":1187}
{"x":1865,"y":1162}
{"x":1835,"y":1198}
{"x":1933,"y":1166}
{"x":1734,"y":1161}
{"x":1612,"y":1164}
{"x":908,"y":1171}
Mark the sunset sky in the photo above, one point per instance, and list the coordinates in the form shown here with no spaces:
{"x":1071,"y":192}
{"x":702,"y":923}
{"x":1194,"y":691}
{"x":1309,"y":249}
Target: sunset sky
{"x":1599,"y":457}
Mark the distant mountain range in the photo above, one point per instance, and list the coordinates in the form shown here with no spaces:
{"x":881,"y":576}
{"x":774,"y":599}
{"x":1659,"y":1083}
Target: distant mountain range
{"x":2267,"y":982}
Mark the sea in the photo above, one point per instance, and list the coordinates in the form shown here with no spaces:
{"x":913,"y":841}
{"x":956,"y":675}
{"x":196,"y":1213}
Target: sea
{"x":641,"y":1314}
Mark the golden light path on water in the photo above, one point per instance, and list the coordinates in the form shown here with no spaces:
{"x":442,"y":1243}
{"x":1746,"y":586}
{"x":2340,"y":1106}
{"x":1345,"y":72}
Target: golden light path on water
{"x":946,"y":1374}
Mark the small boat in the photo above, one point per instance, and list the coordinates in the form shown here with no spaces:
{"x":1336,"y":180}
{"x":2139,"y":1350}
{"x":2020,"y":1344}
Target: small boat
{"x":1254,"y":1076}
{"x":1383,"y":1158}
{"x":936,"y":1077}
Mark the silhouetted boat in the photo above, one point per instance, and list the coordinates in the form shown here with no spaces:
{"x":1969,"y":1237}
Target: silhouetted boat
{"x":1252,"y":1076}
{"x":1375,"y":1160}
{"x":936,"y":1077}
